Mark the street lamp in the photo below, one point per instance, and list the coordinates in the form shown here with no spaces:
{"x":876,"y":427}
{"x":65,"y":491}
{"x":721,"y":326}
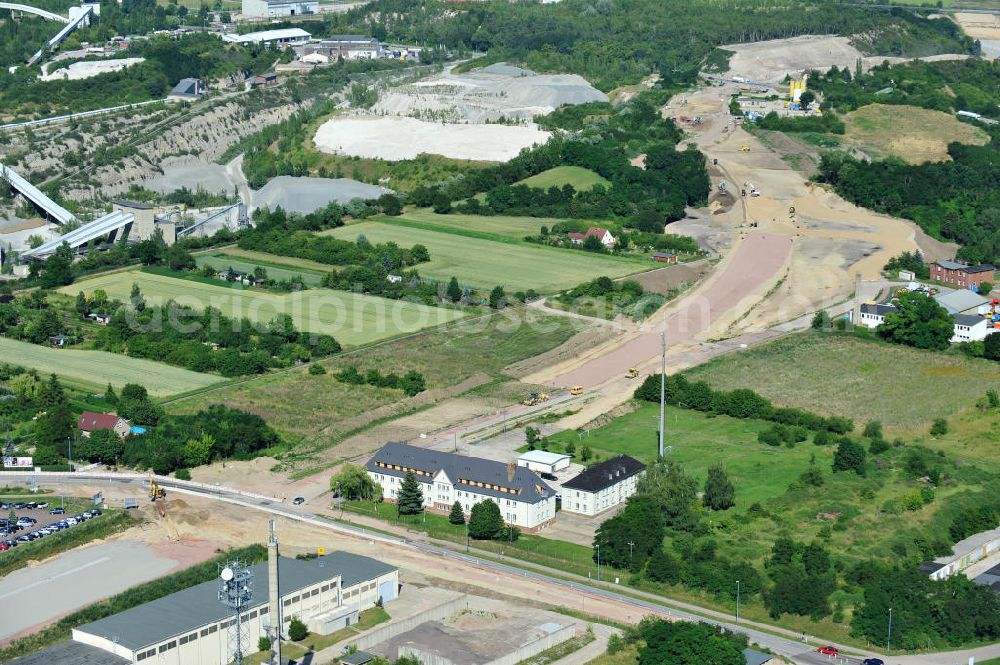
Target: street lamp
{"x":630,"y":546}
{"x":598,"y":562}
{"x":888,"y":638}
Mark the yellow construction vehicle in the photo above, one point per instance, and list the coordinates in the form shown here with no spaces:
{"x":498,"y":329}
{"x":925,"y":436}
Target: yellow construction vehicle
{"x":632,"y":373}
{"x":536,"y":398}
{"x":576,"y":390}
{"x":744,"y":148}
{"x":155,"y":491}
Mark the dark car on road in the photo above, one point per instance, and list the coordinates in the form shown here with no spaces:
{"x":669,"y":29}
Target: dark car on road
{"x":873,"y":661}
{"x":57,"y":511}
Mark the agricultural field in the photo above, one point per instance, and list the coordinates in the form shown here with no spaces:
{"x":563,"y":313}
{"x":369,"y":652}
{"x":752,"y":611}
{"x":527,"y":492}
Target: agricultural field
{"x":758,"y":471}
{"x":483,"y":263}
{"x":580,"y":178}
{"x":275,"y":270}
{"x":94,"y":370}
{"x":497,"y":227}
{"x":863,"y":379}
{"x":320,"y":411}
{"x":913,"y":134}
{"x":350,"y":317}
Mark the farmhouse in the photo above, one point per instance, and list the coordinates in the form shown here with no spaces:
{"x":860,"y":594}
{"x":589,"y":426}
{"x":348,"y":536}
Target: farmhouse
{"x":272,"y":8}
{"x":89,"y":422}
{"x":543,"y":461}
{"x":191,"y":627}
{"x":603,"y":235}
{"x":524,"y":499}
{"x":962,"y":274}
{"x":873,"y":315}
{"x":602,"y":486}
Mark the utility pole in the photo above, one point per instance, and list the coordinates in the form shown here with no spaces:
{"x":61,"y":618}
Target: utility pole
{"x":737,"y":601}
{"x":69,"y":443}
{"x":888,"y":638}
{"x":630,"y":546}
{"x":663,"y":385}
{"x":598,"y":562}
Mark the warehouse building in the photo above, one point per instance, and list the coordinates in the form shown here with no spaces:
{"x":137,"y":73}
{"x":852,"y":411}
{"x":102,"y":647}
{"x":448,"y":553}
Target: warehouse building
{"x":542,"y":461}
{"x":524,"y":499}
{"x":281,"y":38}
{"x":191,"y":627}
{"x":272,"y":8}
{"x":602,"y":486}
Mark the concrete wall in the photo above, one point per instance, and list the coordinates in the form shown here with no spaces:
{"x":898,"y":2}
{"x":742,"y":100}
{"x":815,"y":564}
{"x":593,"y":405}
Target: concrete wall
{"x":395,"y":628}
{"x":522,"y":652}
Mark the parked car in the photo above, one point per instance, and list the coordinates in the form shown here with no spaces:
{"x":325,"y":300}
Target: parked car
{"x":4,"y":547}
{"x":26,"y":521}
{"x":298,"y":501}
{"x":42,"y":504}
{"x":547,"y":476}
{"x":94,"y":512}
{"x":829,"y":650}
{"x":10,"y":543}
{"x":30,"y":505}
{"x":24,"y":538}
{"x":19,"y":505}
{"x":57,"y":511}
{"x":72,"y":521}
{"x":873,"y":661}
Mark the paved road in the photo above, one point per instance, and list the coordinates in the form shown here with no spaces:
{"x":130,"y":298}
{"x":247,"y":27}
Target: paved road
{"x":31,"y":596}
{"x":781,"y":641}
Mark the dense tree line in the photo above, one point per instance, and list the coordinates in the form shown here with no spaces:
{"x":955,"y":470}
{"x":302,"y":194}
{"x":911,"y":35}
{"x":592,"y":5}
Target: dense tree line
{"x":589,"y":37}
{"x":204,"y":340}
{"x":827,"y":123}
{"x":607,"y":298}
{"x":739,"y":403}
{"x":411,"y":383}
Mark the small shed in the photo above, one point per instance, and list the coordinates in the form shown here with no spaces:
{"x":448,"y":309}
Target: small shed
{"x":753,"y":657}
{"x":542,"y":461}
{"x":907,"y":275}
{"x":665,"y":257}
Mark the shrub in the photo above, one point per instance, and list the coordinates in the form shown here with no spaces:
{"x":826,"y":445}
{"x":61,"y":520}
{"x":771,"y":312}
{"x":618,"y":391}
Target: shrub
{"x":264,"y":644}
{"x":182,"y":474}
{"x":316,"y":370}
{"x":297,"y":630}
{"x":939,"y":427}
{"x":878,"y":446}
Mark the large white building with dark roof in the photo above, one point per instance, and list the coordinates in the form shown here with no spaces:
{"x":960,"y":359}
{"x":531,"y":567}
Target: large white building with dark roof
{"x":602,"y":486}
{"x":524,"y":498}
{"x":191,"y":627}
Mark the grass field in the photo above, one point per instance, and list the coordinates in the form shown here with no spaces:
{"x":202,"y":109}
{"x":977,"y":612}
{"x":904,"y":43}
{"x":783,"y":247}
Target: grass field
{"x":758,"y":471}
{"x":502,"y":227}
{"x":95,"y":369}
{"x":265,"y":259}
{"x":350,"y":317}
{"x":913,"y":134}
{"x":862,"y":379}
{"x":320,"y":410}
{"x":275,"y":270}
{"x":484,"y":263}
{"x":580,"y":178}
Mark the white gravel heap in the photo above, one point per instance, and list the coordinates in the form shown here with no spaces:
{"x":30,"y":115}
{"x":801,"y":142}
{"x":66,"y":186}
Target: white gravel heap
{"x":85,"y":70}
{"x":305,"y":195}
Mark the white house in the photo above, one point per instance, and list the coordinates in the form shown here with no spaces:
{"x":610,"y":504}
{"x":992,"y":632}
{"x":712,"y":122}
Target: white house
{"x":543,"y":461}
{"x":872,"y":315}
{"x":524,"y":499}
{"x":602,"y":486}
{"x":970,"y":328}
{"x":601,"y":234}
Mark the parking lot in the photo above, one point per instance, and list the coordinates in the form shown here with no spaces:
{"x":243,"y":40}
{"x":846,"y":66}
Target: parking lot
{"x":40,"y":513}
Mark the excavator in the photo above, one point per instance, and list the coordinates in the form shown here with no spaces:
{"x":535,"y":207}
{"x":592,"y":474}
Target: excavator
{"x":744,"y":148}
{"x":632,"y":373}
{"x":155,"y":491}
{"x":576,"y":390}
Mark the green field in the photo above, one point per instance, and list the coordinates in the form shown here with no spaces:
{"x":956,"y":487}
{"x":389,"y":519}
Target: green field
{"x":502,"y":227}
{"x":275,"y":270}
{"x":862,"y":379}
{"x":483,"y":263}
{"x":95,"y":369}
{"x":350,"y":317}
{"x":580,"y":178}
{"x":758,"y":471}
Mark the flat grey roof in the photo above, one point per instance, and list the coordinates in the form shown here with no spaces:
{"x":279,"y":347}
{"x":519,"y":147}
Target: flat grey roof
{"x":967,"y":319}
{"x":70,"y":653}
{"x":970,"y":544}
{"x":530,"y":488}
{"x":753,"y":657}
{"x":878,"y":309}
{"x":960,"y":300}
{"x":357,"y":658}
{"x":192,"y":608}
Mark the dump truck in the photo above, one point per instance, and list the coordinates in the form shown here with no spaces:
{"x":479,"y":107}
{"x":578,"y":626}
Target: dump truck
{"x":576,"y":390}
{"x":744,"y":148}
{"x":632,"y":373}
{"x":535,"y":398}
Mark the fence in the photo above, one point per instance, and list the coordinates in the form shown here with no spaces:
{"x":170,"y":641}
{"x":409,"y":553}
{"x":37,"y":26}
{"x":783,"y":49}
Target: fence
{"x":399,"y":627}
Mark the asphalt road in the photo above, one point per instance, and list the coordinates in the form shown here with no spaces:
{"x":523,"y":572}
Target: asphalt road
{"x":78,"y":578}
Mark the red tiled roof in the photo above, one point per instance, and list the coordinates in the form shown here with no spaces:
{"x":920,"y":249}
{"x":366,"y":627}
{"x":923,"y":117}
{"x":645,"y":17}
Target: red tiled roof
{"x":595,"y":231}
{"x":91,"y":422}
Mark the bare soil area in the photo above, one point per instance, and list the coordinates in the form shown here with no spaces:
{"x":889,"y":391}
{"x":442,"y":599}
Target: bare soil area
{"x":913,"y":134}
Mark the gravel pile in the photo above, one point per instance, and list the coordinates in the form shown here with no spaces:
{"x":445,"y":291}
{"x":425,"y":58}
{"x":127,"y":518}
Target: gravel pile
{"x":304,"y":195}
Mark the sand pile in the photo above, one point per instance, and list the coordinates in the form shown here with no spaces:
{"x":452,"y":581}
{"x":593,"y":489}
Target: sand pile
{"x":305,"y":195}
{"x":84,"y":70}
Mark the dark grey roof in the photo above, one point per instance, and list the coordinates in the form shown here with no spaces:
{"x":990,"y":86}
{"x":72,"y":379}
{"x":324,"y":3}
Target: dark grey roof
{"x":607,"y":473}
{"x":357,"y":658}
{"x":954,"y":265}
{"x":349,"y":38}
{"x":665,"y":254}
{"x":930,"y":567}
{"x":982,"y":267}
{"x":187,"y":87}
{"x":138,"y":205}
{"x":752,"y":657}
{"x":70,"y":653}
{"x":878,"y":309}
{"x":530,"y":489}
{"x":187,"y":610}
{"x":966,"y":319}
{"x":951,"y":265}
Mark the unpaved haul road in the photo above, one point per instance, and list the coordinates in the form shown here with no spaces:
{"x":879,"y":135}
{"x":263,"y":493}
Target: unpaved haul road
{"x":756,"y":261}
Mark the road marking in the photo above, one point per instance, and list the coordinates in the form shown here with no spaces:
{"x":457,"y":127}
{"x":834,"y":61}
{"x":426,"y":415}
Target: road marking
{"x":53,"y":578}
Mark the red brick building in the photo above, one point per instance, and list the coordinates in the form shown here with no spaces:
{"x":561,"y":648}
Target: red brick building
{"x":962,"y":274}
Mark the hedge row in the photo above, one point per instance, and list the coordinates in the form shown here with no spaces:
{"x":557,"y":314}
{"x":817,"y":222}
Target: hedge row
{"x":740,"y":403}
